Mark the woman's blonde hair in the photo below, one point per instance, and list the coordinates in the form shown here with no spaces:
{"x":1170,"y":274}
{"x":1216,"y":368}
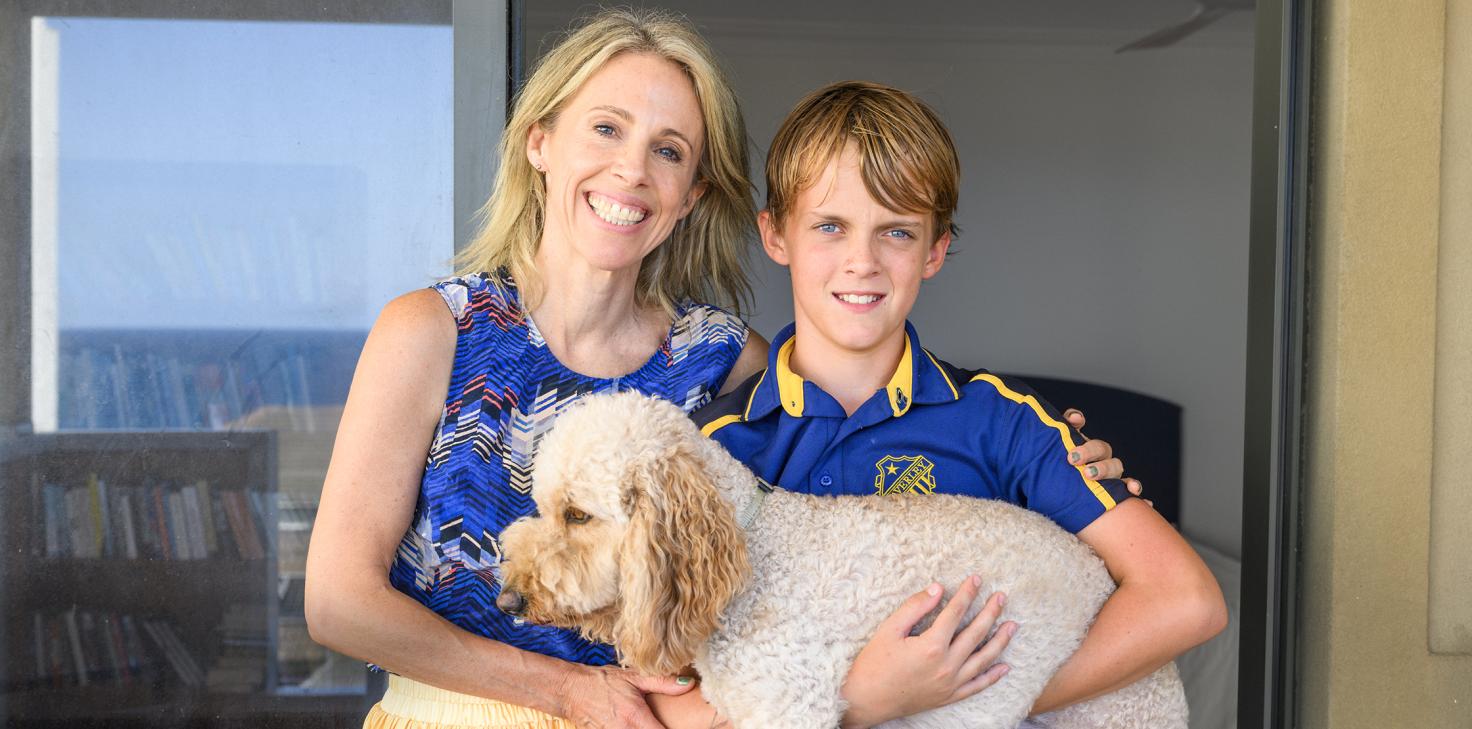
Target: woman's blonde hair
{"x":704,"y":256}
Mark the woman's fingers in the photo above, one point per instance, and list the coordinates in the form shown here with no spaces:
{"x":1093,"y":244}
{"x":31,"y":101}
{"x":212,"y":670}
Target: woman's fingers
{"x":1091,"y":451}
{"x":1075,"y":417}
{"x":1107,"y":468}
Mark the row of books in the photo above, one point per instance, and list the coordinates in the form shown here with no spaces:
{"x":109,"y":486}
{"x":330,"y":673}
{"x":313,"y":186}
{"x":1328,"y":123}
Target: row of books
{"x":81,"y":648}
{"x":198,"y":379}
{"x":164,"y":521}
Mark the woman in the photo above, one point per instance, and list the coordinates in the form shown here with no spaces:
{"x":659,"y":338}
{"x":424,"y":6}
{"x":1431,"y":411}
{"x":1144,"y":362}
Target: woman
{"x":621,"y":200}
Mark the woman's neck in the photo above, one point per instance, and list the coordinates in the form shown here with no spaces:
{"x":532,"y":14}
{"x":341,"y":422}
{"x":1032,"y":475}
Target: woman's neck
{"x":591,"y":319}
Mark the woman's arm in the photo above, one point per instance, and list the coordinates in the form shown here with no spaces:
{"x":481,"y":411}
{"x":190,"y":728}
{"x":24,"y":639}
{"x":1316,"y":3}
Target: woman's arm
{"x":1167,"y":603}
{"x":367,"y":503}
{"x":753,"y":359}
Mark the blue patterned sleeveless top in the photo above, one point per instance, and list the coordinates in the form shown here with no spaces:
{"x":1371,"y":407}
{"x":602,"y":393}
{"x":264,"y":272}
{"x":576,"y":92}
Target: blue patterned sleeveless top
{"x":506,"y":390}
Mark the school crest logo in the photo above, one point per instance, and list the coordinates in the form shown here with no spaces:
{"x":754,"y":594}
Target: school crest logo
{"x":903,"y":474}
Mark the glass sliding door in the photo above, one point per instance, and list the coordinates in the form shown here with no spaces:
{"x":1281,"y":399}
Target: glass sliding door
{"x":213,"y":211}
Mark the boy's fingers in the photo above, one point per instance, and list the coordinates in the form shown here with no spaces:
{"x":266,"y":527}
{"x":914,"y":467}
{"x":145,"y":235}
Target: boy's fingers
{"x":989,"y":653}
{"x":981,"y":682}
{"x":974,"y":634}
{"x":1091,"y":451}
{"x":1134,"y":486}
{"x":915,"y":607}
{"x":1075,"y":417}
{"x":950,"y":617}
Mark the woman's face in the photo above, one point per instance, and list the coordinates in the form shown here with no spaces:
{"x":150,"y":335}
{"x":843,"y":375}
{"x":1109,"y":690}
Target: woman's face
{"x":620,"y":162}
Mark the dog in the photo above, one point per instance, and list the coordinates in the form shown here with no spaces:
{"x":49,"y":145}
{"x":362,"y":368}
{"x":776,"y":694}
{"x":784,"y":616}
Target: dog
{"x":651,"y":537}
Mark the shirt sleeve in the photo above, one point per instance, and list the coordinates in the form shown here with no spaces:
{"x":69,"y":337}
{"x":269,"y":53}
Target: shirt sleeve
{"x":1034,"y":460}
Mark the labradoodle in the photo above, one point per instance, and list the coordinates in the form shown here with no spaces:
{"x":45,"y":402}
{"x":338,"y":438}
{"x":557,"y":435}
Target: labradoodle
{"x":653,"y":538}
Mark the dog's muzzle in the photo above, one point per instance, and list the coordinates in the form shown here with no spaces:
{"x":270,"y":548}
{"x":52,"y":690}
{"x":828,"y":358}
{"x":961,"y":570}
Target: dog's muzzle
{"x":511,"y":602}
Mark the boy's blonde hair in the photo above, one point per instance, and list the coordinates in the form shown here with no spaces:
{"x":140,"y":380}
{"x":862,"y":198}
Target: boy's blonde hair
{"x":906,"y":156}
{"x":703,"y":259}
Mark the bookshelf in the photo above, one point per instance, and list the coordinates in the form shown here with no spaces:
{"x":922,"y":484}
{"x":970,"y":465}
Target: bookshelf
{"x":141,"y":579}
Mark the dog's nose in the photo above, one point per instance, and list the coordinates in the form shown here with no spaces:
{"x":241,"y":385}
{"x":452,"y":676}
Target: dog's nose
{"x":511,"y":602}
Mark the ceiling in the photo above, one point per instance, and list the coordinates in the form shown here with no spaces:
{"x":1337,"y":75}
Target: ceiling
{"x":1079,"y":15}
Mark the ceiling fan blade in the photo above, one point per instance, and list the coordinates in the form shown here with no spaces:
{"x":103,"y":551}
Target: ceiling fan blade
{"x":1203,"y":17}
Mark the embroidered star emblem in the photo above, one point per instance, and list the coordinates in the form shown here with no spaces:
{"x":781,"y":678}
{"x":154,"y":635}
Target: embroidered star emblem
{"x":892,"y":469}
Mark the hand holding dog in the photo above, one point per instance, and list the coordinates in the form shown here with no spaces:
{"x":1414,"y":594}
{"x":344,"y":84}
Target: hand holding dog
{"x":607,"y":697}
{"x":949,"y":662}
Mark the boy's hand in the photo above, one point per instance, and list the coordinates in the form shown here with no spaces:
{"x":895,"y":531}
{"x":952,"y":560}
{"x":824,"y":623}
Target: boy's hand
{"x":946,"y":663}
{"x":1098,"y":455}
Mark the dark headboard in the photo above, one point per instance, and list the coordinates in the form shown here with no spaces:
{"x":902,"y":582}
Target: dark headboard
{"x":1145,"y":432}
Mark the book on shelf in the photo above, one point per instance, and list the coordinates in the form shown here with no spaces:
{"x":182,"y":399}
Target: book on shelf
{"x":162,"y":520}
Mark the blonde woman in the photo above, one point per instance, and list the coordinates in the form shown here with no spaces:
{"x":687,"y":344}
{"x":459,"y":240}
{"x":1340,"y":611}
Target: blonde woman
{"x":621,"y":204}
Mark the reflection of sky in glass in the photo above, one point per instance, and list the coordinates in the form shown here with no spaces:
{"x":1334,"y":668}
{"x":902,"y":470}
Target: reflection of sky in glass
{"x":246,"y":174}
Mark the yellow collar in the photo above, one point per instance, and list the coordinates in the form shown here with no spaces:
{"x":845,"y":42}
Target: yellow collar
{"x":899,"y":390}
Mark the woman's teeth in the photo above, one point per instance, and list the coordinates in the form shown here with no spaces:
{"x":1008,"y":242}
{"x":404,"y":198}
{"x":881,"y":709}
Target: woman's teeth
{"x":858,"y":298}
{"x":613,"y":212}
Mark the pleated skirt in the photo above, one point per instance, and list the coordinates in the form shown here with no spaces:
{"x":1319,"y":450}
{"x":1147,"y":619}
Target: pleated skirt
{"x":408,"y":704}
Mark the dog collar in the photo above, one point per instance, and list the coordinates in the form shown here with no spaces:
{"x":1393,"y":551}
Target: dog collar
{"x":749,"y":511}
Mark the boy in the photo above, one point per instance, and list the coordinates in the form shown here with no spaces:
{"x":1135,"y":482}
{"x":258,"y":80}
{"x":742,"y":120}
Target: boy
{"x":862,"y":184}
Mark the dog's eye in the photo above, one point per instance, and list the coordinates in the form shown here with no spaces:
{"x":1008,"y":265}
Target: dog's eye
{"x":574,"y":515}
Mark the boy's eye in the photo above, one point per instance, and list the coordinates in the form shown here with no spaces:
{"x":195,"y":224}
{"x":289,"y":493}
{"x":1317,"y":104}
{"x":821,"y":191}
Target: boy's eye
{"x":900,"y":234}
{"x":827,"y":228}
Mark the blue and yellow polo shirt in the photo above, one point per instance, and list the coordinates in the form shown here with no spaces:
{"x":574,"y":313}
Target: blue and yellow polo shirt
{"x":934,"y":428}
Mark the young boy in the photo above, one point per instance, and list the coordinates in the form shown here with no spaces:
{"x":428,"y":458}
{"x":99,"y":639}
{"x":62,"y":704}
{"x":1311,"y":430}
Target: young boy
{"x":862,"y":184}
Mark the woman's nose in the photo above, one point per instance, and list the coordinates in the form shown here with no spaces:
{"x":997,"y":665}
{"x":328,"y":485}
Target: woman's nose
{"x":630,"y":166}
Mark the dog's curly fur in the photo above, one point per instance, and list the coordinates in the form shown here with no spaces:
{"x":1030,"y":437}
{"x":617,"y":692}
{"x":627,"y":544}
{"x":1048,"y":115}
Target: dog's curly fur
{"x":637,"y":545}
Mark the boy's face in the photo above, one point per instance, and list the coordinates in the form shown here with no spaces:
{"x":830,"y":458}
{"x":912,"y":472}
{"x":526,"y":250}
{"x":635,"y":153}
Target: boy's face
{"x":856,"y":265}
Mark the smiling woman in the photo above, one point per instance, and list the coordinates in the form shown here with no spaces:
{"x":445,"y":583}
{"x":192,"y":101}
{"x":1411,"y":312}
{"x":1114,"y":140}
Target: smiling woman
{"x":620,"y":203}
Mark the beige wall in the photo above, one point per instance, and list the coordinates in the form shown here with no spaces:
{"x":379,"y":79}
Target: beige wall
{"x":1380,"y":177}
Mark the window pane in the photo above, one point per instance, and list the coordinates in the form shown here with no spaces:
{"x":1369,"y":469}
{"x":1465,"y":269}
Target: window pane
{"x":219,"y":210}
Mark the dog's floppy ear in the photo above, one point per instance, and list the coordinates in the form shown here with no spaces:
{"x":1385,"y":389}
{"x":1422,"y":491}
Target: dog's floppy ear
{"x":682,"y":560}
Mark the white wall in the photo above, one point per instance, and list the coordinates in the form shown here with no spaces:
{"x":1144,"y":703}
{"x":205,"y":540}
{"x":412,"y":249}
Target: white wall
{"x":1104,"y":207}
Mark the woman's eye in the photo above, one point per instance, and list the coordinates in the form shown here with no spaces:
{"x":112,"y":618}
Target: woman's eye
{"x":669,"y":153}
{"x":574,"y":515}
{"x":606,"y":130}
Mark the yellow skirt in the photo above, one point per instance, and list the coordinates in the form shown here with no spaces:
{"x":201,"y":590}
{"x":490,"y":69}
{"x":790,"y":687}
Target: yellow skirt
{"x":409,"y":704}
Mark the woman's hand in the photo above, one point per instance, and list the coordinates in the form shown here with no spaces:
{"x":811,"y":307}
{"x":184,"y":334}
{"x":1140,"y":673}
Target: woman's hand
{"x":1098,"y":455}
{"x":608,"y":697}
{"x":942,"y":665}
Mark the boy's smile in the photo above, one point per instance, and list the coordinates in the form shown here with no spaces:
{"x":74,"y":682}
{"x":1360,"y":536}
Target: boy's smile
{"x":856,"y":267}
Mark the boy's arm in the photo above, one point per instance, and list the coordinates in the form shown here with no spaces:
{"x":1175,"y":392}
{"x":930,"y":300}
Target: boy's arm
{"x":1167,"y":602}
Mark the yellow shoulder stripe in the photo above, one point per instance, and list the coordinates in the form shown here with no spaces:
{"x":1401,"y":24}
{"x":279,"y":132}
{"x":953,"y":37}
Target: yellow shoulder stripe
{"x":1063,"y":432}
{"x":719,"y":423}
{"x":943,"y":373}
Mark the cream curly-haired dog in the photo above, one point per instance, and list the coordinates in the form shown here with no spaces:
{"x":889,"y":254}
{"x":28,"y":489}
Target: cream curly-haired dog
{"x":651,"y":537}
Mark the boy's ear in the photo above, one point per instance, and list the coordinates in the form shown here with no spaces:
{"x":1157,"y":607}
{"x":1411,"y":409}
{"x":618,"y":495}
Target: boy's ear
{"x":772,"y":241}
{"x":936,"y":257}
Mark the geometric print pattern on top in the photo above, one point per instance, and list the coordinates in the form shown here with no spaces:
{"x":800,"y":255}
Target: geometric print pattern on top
{"x":506,"y":390}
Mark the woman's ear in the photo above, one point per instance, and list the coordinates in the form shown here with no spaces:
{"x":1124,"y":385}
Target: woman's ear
{"x":772,"y":241}
{"x":536,"y":140}
{"x":696,"y":191}
{"x":682,"y":561}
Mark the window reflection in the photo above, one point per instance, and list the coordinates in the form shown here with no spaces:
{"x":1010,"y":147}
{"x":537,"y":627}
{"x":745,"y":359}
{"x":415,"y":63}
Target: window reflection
{"x":219,"y":209}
